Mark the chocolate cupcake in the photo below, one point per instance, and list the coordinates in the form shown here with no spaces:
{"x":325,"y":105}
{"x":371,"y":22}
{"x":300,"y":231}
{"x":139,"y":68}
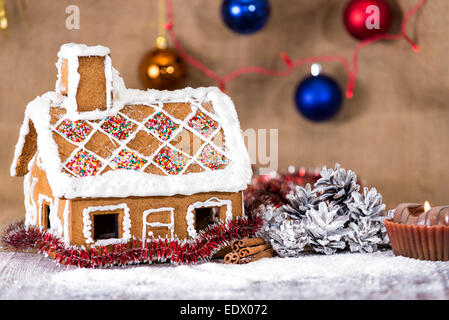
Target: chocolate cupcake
{"x":420,"y":234}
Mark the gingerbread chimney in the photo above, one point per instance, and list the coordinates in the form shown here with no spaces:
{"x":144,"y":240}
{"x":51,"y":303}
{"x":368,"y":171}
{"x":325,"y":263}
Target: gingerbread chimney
{"x":85,"y":77}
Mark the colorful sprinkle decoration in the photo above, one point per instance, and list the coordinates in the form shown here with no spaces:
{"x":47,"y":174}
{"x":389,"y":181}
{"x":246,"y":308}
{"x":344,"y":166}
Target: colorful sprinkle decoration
{"x":161,"y":125}
{"x":75,"y":131}
{"x":203,"y":124}
{"x":170,"y":160}
{"x":117,"y":126}
{"x":128,"y":160}
{"x":212,"y":159}
{"x":84,"y":164}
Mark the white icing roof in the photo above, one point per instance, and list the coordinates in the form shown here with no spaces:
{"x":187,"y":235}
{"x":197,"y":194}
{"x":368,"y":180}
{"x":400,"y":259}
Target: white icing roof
{"x":235,"y":176}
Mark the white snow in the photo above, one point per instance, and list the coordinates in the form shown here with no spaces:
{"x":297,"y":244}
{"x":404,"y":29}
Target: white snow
{"x":341,"y":276}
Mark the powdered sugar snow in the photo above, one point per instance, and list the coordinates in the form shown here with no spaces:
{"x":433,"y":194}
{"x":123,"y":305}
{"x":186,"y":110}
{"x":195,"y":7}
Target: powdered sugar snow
{"x":342,"y":276}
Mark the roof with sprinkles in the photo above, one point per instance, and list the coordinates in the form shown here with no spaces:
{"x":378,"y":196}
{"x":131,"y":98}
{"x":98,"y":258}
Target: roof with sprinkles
{"x":192,"y":136}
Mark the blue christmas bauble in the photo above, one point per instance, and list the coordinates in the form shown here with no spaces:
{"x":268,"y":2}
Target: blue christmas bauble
{"x":318,"y":98}
{"x":245,"y":16}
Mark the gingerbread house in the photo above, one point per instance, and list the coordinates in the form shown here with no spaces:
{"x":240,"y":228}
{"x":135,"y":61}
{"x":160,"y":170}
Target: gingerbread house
{"x":103,"y":164}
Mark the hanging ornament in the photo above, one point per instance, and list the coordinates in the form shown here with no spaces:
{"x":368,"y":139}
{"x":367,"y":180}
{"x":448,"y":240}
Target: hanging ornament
{"x":367,"y":18}
{"x":3,"y":18}
{"x":245,"y":16}
{"x":318,"y":97}
{"x":163,"y":68}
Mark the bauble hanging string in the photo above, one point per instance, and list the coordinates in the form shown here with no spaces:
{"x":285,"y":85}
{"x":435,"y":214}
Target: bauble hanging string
{"x":162,"y":68}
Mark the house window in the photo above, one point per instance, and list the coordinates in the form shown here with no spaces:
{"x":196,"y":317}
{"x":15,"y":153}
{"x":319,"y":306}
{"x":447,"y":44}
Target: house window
{"x":204,"y":213}
{"x":109,"y":222}
{"x":158,"y":223}
{"x":46,"y":214}
{"x":205,"y":217}
{"x":105,"y":226}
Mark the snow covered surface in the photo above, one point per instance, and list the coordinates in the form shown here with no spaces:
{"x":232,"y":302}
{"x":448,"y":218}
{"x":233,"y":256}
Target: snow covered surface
{"x":342,"y":276}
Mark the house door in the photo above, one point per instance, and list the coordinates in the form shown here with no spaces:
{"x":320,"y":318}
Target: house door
{"x":158,"y":223}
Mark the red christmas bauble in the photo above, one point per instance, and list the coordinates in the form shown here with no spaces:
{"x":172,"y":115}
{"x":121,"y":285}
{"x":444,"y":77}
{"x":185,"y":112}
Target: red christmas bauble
{"x":367,"y":18}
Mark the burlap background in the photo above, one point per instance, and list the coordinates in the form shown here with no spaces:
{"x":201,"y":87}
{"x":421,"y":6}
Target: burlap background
{"x":394,"y":133}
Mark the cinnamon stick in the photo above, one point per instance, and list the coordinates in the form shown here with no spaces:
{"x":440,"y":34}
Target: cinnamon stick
{"x":232,"y":257}
{"x":248,"y":242}
{"x":268,"y":253}
{"x":249,"y":251}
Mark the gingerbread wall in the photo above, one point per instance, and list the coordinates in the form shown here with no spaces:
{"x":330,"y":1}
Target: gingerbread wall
{"x":137,"y":206}
{"x":394,"y":133}
{"x":40,"y":193}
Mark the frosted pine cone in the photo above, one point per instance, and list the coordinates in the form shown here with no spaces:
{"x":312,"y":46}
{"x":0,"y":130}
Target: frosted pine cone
{"x":366,"y":205}
{"x":289,"y":239}
{"x":336,"y":185}
{"x":299,"y":202}
{"x":363,"y":235}
{"x":325,"y":228}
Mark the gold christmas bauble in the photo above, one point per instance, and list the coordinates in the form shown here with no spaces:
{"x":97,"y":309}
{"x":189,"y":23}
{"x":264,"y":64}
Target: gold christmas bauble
{"x":163,"y":69}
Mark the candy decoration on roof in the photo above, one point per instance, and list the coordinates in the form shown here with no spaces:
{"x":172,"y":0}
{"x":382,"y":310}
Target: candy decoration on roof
{"x":84,"y":164}
{"x":245,"y":16}
{"x":161,"y":125}
{"x":162,"y":68}
{"x":128,"y":160}
{"x":170,"y":160}
{"x":364,"y":19}
{"x":203,"y":124}
{"x":117,"y":126}
{"x":318,"y":97}
{"x":75,"y":131}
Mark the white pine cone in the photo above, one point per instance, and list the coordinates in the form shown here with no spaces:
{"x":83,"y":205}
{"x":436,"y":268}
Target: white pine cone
{"x":363,"y":235}
{"x":300,"y":201}
{"x":336,"y":185}
{"x":325,"y":228}
{"x":366,"y":205}
{"x":289,"y":239}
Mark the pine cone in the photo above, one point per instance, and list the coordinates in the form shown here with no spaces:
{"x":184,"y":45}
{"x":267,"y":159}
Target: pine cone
{"x":336,"y":185}
{"x":325,"y":228}
{"x":366,"y":205}
{"x":383,"y":234}
{"x":363,"y":235}
{"x":299,"y":202}
{"x":289,"y":239}
{"x":273,"y":217}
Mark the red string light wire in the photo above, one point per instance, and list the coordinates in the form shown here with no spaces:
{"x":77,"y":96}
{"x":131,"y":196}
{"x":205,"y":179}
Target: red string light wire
{"x":291,"y":65}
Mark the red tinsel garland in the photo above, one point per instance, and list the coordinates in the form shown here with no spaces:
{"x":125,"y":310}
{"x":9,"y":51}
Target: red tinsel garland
{"x":20,"y":237}
{"x":264,"y":190}
{"x":273,"y":189}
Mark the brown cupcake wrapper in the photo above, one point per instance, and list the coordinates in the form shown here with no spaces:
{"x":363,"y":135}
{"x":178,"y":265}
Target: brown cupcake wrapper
{"x":419,"y":242}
